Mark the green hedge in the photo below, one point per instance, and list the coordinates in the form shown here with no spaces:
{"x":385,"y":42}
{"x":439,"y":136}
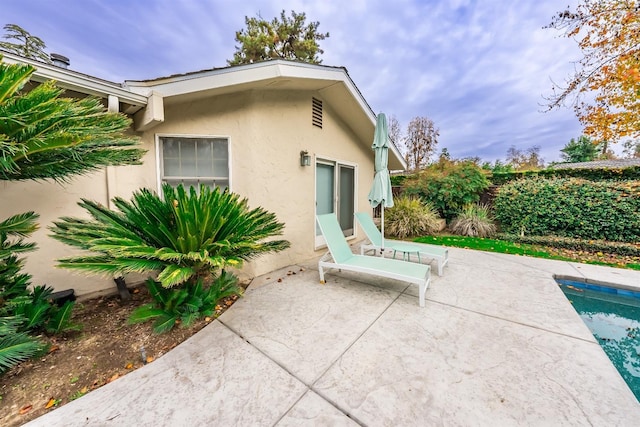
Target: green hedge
{"x":570,"y":207}
{"x":618,"y":248}
{"x":604,"y":174}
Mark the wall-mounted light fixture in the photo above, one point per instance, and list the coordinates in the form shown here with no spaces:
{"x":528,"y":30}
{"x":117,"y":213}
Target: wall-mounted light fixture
{"x":305,"y":158}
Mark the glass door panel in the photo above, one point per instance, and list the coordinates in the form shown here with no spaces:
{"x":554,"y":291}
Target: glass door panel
{"x":346,"y":180}
{"x":325,"y":190}
{"x":335,"y":192}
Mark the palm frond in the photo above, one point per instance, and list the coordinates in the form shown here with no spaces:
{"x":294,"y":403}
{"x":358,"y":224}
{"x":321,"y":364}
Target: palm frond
{"x":185,"y":235}
{"x":22,"y":225}
{"x":107,"y":266}
{"x":13,"y":78}
{"x":44,"y":136}
{"x":15,"y":347}
{"x":173,"y":275}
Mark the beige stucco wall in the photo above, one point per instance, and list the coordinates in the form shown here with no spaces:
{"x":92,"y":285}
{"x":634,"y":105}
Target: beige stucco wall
{"x":51,"y":201}
{"x":267,"y":130}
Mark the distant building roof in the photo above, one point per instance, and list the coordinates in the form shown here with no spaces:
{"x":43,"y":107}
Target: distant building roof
{"x":600,"y":164}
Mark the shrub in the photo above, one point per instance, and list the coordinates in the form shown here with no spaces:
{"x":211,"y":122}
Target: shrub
{"x":474,"y":221}
{"x":448,"y":185}
{"x":410,"y":217}
{"x":618,"y":248}
{"x":570,"y":207}
{"x":24,"y":310}
{"x":187,"y":236}
{"x":186,"y":303}
{"x":15,"y":346}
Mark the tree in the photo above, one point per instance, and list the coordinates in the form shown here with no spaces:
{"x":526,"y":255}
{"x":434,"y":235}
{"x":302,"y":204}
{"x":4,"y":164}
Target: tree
{"x":420,"y":142}
{"x":631,"y":149}
{"x":444,"y":154}
{"x":394,"y":129}
{"x":609,"y":70}
{"x":45,"y":136}
{"x":582,"y":150}
{"x":528,"y":159}
{"x":28,"y":46}
{"x":284,"y":38}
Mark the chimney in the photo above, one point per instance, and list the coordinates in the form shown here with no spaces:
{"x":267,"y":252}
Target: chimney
{"x":59,"y":60}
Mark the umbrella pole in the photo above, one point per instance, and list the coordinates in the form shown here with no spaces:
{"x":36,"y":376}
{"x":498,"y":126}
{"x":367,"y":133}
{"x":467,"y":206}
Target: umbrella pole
{"x":382,"y":228}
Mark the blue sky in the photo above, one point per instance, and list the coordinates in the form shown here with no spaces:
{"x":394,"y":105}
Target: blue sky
{"x":478,"y":69}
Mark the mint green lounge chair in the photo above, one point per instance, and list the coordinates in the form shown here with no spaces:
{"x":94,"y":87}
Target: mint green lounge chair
{"x":340,"y":257}
{"x":437,"y":253}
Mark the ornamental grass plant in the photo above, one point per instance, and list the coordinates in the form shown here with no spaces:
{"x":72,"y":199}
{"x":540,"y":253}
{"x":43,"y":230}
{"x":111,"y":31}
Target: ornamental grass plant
{"x":475,"y":221}
{"x":410,"y":217}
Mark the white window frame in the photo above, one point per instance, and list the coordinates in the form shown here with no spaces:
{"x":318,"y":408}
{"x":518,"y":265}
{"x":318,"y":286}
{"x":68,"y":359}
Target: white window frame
{"x":319,"y":241}
{"x":160,"y":161}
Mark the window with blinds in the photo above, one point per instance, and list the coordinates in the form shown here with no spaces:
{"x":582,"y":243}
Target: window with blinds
{"x":192,"y":161}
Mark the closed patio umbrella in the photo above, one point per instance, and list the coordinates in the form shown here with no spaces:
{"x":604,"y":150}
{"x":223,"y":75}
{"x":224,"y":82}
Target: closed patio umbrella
{"x":380,"y":193}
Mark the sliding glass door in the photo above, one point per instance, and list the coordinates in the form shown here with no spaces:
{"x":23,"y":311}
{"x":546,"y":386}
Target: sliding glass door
{"x":335,"y":193}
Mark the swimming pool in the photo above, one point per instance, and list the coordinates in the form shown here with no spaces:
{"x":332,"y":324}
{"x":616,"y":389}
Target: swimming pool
{"x":613,"y":316}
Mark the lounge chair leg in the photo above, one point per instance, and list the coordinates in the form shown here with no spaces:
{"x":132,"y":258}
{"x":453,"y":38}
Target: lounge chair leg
{"x":423,"y":291}
{"x":440,"y":262}
{"x":321,"y":271}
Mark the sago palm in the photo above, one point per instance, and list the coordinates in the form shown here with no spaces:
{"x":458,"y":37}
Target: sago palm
{"x":13,"y":230}
{"x":44,"y":136}
{"x":184,"y":235}
{"x":15,"y":346}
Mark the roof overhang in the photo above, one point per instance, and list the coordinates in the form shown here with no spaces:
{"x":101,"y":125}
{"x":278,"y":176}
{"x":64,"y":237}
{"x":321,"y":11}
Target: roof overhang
{"x":80,"y":83}
{"x":333,"y":83}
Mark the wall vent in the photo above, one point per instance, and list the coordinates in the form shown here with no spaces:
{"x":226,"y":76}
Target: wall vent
{"x":316,"y":112}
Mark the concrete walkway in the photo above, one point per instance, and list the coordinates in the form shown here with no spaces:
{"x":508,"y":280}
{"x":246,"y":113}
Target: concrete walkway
{"x":498,"y":344}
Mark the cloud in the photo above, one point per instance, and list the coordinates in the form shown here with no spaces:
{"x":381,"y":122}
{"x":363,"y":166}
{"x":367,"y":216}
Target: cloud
{"x":477,"y":68}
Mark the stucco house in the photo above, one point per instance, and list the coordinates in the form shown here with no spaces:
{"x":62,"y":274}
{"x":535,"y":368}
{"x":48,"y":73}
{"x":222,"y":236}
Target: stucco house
{"x":291,"y":137}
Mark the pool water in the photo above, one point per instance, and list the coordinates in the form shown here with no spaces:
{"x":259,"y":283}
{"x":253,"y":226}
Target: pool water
{"x":613,"y":316}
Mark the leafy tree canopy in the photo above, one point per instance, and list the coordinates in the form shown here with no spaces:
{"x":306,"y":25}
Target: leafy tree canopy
{"x":24,"y":44}
{"x":582,"y":150}
{"x":44,"y":136}
{"x":608,"y":32}
{"x":285,"y":38}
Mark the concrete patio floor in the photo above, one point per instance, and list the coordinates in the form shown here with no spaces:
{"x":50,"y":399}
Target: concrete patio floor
{"x":497,"y":344}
